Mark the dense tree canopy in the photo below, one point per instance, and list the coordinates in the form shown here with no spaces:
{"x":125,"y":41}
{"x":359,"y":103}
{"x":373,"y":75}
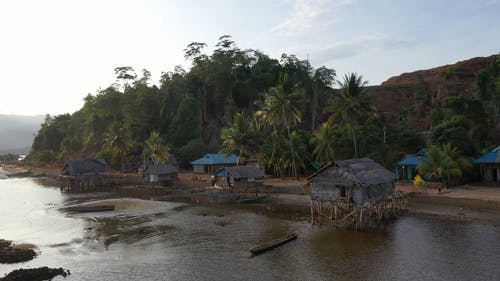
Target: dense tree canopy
{"x":282,"y":112}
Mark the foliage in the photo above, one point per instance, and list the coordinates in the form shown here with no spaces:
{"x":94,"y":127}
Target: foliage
{"x":240,"y":138}
{"x":323,"y":140}
{"x":444,"y":163}
{"x":280,"y":110}
{"x":156,"y":148}
{"x":350,"y":104}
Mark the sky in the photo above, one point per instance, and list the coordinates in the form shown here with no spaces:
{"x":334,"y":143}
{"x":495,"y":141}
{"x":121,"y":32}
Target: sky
{"x":53,"y":53}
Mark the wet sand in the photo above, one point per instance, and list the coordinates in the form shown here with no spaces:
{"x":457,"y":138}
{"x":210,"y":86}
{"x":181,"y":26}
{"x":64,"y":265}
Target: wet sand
{"x":287,"y":195}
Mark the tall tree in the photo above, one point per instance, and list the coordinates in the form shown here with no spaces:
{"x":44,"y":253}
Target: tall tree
{"x":324,"y":142}
{"x":323,"y":79}
{"x":281,"y":108}
{"x":239,"y":137}
{"x":157,"y":148}
{"x":350,"y":103}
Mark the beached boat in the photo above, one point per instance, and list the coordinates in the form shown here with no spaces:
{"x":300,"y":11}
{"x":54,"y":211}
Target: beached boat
{"x":253,"y":199}
{"x":273,"y":243}
{"x":86,"y":209}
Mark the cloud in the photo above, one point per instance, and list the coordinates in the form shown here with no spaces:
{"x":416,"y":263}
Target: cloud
{"x":308,"y":14}
{"x":347,"y":49}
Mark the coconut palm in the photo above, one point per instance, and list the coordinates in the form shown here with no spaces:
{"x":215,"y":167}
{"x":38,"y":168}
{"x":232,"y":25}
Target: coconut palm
{"x":239,"y":138}
{"x":157,"y":148}
{"x":445,"y":161}
{"x":323,"y":140}
{"x":455,"y":163}
{"x":281,"y":108}
{"x":350,"y":103}
{"x":300,"y":152}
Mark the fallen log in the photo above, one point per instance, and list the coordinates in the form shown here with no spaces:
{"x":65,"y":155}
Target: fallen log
{"x":86,"y":209}
{"x":273,"y":244}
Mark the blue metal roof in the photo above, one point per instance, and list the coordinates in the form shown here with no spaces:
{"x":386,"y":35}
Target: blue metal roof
{"x":411,"y":160}
{"x":214,"y":159}
{"x":490,"y":157}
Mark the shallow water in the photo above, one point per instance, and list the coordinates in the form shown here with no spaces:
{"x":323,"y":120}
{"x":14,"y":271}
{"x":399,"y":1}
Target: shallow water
{"x":148,"y":240}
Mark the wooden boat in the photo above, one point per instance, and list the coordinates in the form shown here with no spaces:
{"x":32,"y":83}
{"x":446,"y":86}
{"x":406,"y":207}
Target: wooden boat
{"x":273,"y":244}
{"x":86,"y":209}
{"x":253,"y":199}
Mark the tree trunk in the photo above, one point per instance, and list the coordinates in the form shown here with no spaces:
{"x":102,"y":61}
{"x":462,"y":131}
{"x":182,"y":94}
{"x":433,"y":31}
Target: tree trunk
{"x":354,"y":141}
{"x":314,"y":107}
{"x":204,"y":111}
{"x":294,"y":165}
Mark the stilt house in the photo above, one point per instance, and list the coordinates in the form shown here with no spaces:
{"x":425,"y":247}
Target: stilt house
{"x":356,"y":180}
{"x":160,"y":173}
{"x":241,"y":176}
{"x":84,"y":173}
{"x":350,"y":189}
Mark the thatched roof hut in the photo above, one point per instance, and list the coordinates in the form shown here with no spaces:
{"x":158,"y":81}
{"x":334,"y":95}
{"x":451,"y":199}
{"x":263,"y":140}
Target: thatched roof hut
{"x":84,"y":167}
{"x":242,"y":176}
{"x":160,"y":172}
{"x":355,"y":180}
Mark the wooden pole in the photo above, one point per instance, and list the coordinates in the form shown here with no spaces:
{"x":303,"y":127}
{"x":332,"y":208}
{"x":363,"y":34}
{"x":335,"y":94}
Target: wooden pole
{"x":312,"y":212}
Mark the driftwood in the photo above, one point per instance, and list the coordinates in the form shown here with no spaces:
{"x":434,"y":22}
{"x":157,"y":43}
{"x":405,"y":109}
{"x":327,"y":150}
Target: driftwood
{"x":85,"y":209}
{"x":273,"y":243}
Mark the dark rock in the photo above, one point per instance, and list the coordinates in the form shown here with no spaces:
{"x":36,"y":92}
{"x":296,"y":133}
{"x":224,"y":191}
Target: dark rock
{"x":8,"y":254}
{"x":35,"y":274}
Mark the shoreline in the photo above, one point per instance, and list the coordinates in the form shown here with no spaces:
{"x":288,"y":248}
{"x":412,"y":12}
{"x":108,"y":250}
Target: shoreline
{"x":288,"y":197}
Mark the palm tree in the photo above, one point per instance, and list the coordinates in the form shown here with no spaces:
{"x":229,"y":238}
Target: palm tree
{"x":350,"y":103}
{"x":157,"y":148}
{"x":300,"y":152}
{"x":239,"y":137}
{"x":324,"y":143}
{"x":281,"y":108}
{"x":443,"y":161}
{"x":455,"y":163}
{"x":432,"y":168}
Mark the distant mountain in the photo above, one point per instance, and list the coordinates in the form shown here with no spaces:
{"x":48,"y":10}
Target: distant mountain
{"x":17,"y":132}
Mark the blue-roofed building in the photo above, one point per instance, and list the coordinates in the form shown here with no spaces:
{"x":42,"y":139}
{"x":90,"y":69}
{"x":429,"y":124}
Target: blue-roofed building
{"x":211,"y":163}
{"x":407,"y":168}
{"x":489,"y":163}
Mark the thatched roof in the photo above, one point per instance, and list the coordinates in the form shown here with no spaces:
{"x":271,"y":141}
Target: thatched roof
{"x":239,"y":172}
{"x":161,"y":169}
{"x":79,"y":167}
{"x":361,"y":171}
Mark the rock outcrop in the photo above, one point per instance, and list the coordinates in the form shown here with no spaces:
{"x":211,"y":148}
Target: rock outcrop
{"x":417,"y":92}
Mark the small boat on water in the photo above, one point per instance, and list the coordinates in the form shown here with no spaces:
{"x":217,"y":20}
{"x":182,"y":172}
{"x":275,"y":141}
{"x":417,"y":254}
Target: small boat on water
{"x":273,"y":244}
{"x":87,"y":209}
{"x":253,"y":199}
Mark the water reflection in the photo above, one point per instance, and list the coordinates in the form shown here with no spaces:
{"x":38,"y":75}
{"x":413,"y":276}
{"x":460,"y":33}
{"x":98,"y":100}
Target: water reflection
{"x":147,"y":240}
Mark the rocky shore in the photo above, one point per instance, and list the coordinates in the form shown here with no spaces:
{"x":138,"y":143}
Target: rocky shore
{"x":10,"y":253}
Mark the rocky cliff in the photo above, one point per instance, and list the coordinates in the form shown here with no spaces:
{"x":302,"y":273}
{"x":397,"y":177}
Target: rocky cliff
{"x":414,"y":94}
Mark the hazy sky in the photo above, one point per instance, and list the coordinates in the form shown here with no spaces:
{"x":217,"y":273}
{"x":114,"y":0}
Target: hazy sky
{"x":54,"y":53}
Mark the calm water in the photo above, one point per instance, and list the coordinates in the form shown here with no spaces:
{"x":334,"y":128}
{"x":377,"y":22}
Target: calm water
{"x":147,"y":240}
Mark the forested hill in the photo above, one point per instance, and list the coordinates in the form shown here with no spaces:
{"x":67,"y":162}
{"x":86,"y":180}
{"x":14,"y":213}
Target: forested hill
{"x":414,"y":94}
{"x":282,"y":111}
